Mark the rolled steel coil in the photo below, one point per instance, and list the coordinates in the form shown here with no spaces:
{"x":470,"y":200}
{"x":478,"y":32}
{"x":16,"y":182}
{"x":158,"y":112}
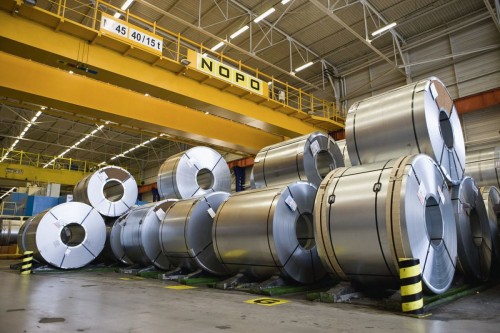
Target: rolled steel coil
{"x":9,"y":231}
{"x":194,"y":172}
{"x":484,"y":166}
{"x":140,"y":234}
{"x":368,"y":217}
{"x":186,"y":233}
{"x":69,"y":235}
{"x":345,"y":154}
{"x":269,"y":231}
{"x":473,"y":230}
{"x":491,"y":197}
{"x":307,"y":158}
{"x":110,"y":190}
{"x":107,"y":256}
{"x":21,"y":238}
{"x":116,"y":243}
{"x":417,"y":118}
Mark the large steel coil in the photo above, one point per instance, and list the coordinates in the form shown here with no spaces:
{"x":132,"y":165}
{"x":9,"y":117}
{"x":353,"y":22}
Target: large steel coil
{"x":9,"y":230}
{"x":186,"y":233}
{"x":110,"y":190}
{"x":115,"y":240}
{"x":107,"y":256}
{"x":140,"y":234}
{"x":269,"y":231}
{"x":307,"y":158}
{"x":69,"y":235}
{"x":417,"y":118}
{"x":473,"y":230}
{"x":484,"y":166}
{"x":368,"y":217}
{"x":194,"y":172}
{"x":345,"y":154}
{"x":491,"y":197}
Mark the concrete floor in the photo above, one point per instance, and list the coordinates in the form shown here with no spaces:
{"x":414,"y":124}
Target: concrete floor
{"x":102,"y":302}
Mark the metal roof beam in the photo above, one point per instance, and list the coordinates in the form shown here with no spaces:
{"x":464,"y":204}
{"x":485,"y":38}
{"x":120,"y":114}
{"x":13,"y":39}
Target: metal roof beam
{"x":494,"y":12}
{"x":337,"y":19}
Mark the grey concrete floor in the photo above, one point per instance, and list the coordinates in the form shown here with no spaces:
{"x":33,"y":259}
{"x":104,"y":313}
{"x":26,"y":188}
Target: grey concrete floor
{"x":102,"y":302}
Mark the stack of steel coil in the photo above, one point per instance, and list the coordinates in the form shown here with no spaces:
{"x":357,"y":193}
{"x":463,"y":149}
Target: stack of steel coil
{"x":484,"y":166}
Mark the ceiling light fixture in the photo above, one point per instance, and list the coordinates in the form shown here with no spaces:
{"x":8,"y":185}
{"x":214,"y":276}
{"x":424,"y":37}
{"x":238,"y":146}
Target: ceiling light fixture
{"x":383,"y":29}
{"x":132,"y":149}
{"x":218,"y":46}
{"x":7,"y":193}
{"x":239,"y":32}
{"x":126,"y":4}
{"x":20,"y":136}
{"x":284,"y":2}
{"x":117,"y":15}
{"x":265,"y":14}
{"x":298,"y":69}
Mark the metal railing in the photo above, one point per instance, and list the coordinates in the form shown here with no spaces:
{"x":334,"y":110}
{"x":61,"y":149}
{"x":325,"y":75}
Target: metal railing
{"x":175,"y":47}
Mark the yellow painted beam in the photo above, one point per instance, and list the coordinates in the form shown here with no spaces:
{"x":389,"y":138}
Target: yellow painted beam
{"x":27,"y":38}
{"x":34,"y":82}
{"x":34,"y":174}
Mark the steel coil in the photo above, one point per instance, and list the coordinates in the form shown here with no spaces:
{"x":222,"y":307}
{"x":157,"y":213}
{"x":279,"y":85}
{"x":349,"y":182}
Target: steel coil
{"x":307,"y":158}
{"x":116,"y":243}
{"x":110,"y":190}
{"x":197,"y":171}
{"x":69,"y":235}
{"x":491,"y":197}
{"x":368,"y":217}
{"x":417,"y":118}
{"x":107,"y":256}
{"x":21,"y":238}
{"x":269,"y":231}
{"x":140,"y":234}
{"x":345,"y":154}
{"x":484,"y":166}
{"x":473,"y":230}
{"x":9,"y":231}
{"x":186,"y":233}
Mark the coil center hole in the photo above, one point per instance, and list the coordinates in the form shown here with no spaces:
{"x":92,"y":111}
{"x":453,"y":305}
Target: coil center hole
{"x":475,"y":227}
{"x":324,"y":163}
{"x":205,"y":179}
{"x":446,"y":129}
{"x":73,"y":234}
{"x":304,"y":231}
{"x":113,"y":190}
{"x":434,"y":222}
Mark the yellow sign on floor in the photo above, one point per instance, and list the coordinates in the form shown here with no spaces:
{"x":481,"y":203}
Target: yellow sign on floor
{"x":266,"y":301}
{"x":181,"y":287}
{"x":131,"y":278}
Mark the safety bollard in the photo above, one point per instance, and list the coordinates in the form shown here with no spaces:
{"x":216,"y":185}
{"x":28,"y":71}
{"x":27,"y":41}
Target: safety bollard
{"x":27,"y":263}
{"x":412,"y":301}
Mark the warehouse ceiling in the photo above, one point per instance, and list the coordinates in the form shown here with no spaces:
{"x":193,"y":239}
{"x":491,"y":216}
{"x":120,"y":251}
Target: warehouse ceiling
{"x":335,"y":36}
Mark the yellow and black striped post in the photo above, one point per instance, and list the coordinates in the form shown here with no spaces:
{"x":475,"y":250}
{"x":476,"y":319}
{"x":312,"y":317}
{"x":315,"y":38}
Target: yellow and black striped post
{"x":27,"y":262}
{"x":412,"y":301}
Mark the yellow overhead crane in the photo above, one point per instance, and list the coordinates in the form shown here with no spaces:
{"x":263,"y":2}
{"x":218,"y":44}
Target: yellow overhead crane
{"x":123,"y":81}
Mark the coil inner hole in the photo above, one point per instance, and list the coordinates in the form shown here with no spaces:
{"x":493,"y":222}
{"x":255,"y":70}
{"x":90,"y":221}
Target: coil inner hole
{"x":446,"y":129}
{"x":304,"y":231}
{"x":433,"y":221}
{"x":205,"y":179}
{"x":73,"y":234}
{"x":113,"y":190}
{"x":324,"y":163}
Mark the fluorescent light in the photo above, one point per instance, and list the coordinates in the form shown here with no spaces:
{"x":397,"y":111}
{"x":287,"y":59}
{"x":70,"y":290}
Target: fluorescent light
{"x":310,"y":63}
{"x":117,"y":15}
{"x":284,"y":2}
{"x":126,"y":4}
{"x":71,"y":72}
{"x":38,"y":114}
{"x":265,"y":14}
{"x":239,"y":32}
{"x":218,"y":46}
{"x":381,"y":30}
{"x":7,"y":193}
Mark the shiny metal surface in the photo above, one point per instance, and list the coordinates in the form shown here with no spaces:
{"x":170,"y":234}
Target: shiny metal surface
{"x":186,"y":233}
{"x":308,"y":158}
{"x":116,"y":243}
{"x":69,"y":235}
{"x":140,"y":237}
{"x":473,"y":230}
{"x":491,"y":197}
{"x":9,"y":231}
{"x":194,"y":172}
{"x":21,"y":235}
{"x":107,"y":256}
{"x":367,"y":217}
{"x":484,"y":166}
{"x":417,"y":118}
{"x":345,"y":154}
{"x":110,"y":190}
{"x":269,"y":231}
